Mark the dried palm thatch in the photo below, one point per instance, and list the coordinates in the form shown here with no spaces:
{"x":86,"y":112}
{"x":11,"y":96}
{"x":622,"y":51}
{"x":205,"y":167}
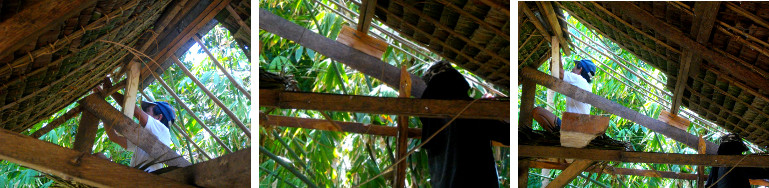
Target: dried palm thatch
{"x":739,"y":34}
{"x":470,"y":33}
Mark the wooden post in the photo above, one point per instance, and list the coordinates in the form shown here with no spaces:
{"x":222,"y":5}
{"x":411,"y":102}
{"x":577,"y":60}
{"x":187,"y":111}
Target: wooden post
{"x":213,"y":97}
{"x":403,"y":126}
{"x":86,"y":132}
{"x":555,"y":69}
{"x":33,"y":20}
{"x":219,"y":65}
{"x":527,"y":103}
{"x":570,"y":173}
{"x":231,"y":170}
{"x":701,"y":169}
{"x":523,"y":172}
{"x":133,"y":132}
{"x":366,"y":15}
{"x":481,"y":109}
{"x":579,"y":94}
{"x":351,"y":57}
{"x":132,"y":86}
{"x":81,"y":167}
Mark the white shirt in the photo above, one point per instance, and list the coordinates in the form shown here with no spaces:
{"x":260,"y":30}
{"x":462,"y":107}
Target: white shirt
{"x":142,"y":158}
{"x":572,"y":105}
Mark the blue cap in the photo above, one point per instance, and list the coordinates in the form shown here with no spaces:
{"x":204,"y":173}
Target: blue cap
{"x":165,"y":109}
{"x":588,"y":69}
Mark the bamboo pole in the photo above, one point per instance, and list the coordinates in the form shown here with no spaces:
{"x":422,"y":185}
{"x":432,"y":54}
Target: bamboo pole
{"x":287,"y":166}
{"x":193,"y":142}
{"x":218,"y":65}
{"x":213,"y":97}
{"x":186,"y":108}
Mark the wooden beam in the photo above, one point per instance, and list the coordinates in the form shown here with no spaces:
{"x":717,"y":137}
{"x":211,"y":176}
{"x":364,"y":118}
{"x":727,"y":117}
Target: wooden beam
{"x":482,"y":109}
{"x":704,"y":19}
{"x":240,"y":21}
{"x":523,"y":172}
{"x":551,"y":17}
{"x":701,"y":169}
{"x":534,"y":19}
{"x":527,"y":103}
{"x":56,"y":122}
{"x":570,"y":173}
{"x":213,"y":97}
{"x":131,"y":131}
{"x":366,"y":15}
{"x":351,"y":57}
{"x":644,"y":157}
{"x":403,"y":126}
{"x":607,"y":105}
{"x":132,"y":88}
{"x":618,"y":171}
{"x":34,"y":20}
{"x":231,"y":170}
{"x":86,"y":132}
{"x":219,"y":65}
{"x":749,"y":77}
{"x":340,"y":126}
{"x":81,"y":167}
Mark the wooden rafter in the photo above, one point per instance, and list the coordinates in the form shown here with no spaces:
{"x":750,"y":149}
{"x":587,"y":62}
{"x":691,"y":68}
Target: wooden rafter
{"x":533,"y":19}
{"x":132,"y":131}
{"x":358,"y":60}
{"x":33,"y":21}
{"x":527,"y":103}
{"x":231,"y":170}
{"x":551,"y":18}
{"x":702,"y":26}
{"x":367,"y":15}
{"x":614,"y":108}
{"x":403,"y":126}
{"x":350,"y":127}
{"x":644,"y":157}
{"x":482,"y":109}
{"x":746,"y":75}
{"x":82,"y":167}
{"x":570,"y":173}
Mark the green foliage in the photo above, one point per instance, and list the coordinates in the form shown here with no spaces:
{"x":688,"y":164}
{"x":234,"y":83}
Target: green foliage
{"x":222,"y":45}
{"x":337,"y":159}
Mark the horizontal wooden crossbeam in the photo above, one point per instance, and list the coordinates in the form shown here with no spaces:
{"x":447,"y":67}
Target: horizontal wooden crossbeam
{"x":79,"y":166}
{"x":326,"y":125}
{"x":612,"y":107}
{"x":231,"y":170}
{"x":482,"y":109}
{"x":617,"y":171}
{"x":644,"y":157}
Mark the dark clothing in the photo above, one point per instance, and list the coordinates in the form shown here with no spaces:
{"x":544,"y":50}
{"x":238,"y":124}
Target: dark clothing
{"x":737,"y":178}
{"x":557,"y":124}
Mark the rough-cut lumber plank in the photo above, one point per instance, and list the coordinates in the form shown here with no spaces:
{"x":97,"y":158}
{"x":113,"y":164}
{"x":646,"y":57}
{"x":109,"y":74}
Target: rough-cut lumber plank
{"x":213,"y":97}
{"x":351,"y":127}
{"x":643,"y":157}
{"x":482,"y":109}
{"x":704,"y":19}
{"x":577,"y":130}
{"x":674,"y":120}
{"x":231,"y":170}
{"x":219,"y":65}
{"x":570,"y":173}
{"x":527,"y":103}
{"x":552,"y":18}
{"x":618,"y":171}
{"x":30,"y":23}
{"x":748,"y":76}
{"x":356,"y":59}
{"x":701,"y":169}
{"x":82,"y":167}
{"x":555,"y":67}
{"x":133,"y":132}
{"x":86,"y":132}
{"x":581,"y":95}
{"x":56,"y":122}
{"x":132,"y":88}
{"x":361,"y":41}
{"x":366,"y":15}
{"x":403,"y":126}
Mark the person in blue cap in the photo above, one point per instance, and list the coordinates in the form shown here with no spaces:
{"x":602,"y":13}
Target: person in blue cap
{"x":157,"y":118}
{"x":581,"y":76}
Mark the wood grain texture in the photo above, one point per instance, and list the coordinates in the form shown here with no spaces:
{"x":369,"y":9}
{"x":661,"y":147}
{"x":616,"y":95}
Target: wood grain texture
{"x":231,"y":170}
{"x":86,"y":132}
{"x":570,"y":173}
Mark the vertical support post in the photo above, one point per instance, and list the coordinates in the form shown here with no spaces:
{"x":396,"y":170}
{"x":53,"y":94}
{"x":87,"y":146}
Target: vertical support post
{"x":86,"y":132}
{"x":366,"y":15}
{"x":570,"y":173}
{"x":131,"y":88}
{"x":555,"y":67}
{"x":527,"y":102}
{"x":403,"y":126}
{"x":701,"y":169}
{"x":523,"y":173}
